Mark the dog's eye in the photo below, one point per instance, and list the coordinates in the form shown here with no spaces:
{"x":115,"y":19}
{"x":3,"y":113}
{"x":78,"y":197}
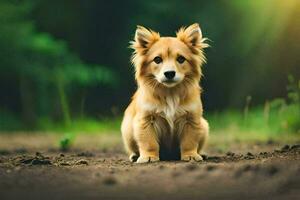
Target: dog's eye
{"x":180,"y":59}
{"x":157,"y":59}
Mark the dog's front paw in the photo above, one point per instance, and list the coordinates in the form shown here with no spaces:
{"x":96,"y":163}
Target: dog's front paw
{"x":146,"y":159}
{"x":194,"y":157}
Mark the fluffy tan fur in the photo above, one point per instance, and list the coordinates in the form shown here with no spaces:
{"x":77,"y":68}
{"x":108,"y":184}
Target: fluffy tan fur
{"x":164,"y":115}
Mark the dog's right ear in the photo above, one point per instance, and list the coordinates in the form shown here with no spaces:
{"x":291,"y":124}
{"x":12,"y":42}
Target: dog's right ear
{"x":144,"y":38}
{"x":192,"y":36}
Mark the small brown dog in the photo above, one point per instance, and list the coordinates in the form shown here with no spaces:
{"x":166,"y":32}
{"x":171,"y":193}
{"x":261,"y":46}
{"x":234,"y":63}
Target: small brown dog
{"x":164,"y":119}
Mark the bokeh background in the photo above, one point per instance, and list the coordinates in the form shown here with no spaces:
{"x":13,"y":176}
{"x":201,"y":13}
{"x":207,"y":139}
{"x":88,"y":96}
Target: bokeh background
{"x":64,"y":64}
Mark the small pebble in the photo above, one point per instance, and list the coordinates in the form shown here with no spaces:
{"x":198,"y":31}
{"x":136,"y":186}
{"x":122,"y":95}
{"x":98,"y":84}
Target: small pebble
{"x":285,"y":148}
{"x":249,"y":154}
{"x":64,"y":164}
{"x":229,"y":153}
{"x":214,"y":158}
{"x":263,"y":153}
{"x":296,"y":146}
{"x":40,"y":162}
{"x":39,"y":154}
{"x":86,"y":154}
{"x":81,"y":162}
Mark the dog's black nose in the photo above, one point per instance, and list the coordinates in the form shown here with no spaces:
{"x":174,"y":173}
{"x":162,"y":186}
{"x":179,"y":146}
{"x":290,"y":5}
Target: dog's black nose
{"x":170,"y":74}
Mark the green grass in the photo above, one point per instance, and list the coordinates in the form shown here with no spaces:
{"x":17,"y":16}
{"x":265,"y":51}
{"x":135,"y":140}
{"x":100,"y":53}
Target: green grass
{"x":66,"y":141}
{"x":9,"y":122}
{"x":269,"y":120}
{"x":274,"y":121}
{"x":86,"y":125}
{"x":260,"y":123}
{"x":80,"y":126}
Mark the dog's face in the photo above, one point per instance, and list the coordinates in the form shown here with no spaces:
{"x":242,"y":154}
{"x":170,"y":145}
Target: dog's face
{"x":168,"y":61}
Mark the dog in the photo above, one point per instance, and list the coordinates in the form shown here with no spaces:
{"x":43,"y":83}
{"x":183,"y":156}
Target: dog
{"x":164,"y":120}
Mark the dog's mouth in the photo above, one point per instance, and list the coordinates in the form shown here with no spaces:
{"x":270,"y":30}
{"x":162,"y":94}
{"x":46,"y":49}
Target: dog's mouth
{"x":169,"y":83}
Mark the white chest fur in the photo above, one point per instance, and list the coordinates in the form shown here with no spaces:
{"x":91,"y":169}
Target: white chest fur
{"x":170,"y":109}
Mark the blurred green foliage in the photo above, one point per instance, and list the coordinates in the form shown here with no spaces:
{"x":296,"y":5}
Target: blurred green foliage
{"x":42,"y":68}
{"x":293,"y":119}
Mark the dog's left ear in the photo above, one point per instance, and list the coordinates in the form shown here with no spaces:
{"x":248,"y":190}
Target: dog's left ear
{"x":192,"y":36}
{"x":144,"y":38}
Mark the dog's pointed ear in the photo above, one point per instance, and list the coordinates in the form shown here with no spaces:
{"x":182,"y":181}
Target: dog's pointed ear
{"x":192,"y":36}
{"x":144,"y":38}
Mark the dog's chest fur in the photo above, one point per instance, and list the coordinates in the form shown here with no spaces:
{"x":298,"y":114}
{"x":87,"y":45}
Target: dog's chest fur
{"x":170,"y":110}
{"x":168,"y":116}
{"x":168,"y":113}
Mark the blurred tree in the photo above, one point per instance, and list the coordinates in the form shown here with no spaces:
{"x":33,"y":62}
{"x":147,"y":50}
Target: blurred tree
{"x":43,"y":68}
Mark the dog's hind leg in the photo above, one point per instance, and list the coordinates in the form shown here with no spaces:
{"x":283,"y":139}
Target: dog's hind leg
{"x":128,"y":138}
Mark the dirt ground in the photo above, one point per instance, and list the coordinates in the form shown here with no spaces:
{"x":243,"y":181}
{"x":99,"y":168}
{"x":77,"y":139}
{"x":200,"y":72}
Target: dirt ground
{"x":32,"y":167}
